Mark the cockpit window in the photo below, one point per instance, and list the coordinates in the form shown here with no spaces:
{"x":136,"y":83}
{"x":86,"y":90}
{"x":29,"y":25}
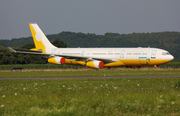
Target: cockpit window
{"x":166,"y":53}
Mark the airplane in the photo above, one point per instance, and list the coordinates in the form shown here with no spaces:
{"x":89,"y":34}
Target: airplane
{"x":95,"y":57}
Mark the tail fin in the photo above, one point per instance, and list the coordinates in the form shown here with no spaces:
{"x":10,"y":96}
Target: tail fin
{"x":40,"y":40}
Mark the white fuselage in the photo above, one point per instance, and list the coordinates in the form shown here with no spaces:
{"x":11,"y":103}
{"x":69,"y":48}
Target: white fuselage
{"x":128,"y":56}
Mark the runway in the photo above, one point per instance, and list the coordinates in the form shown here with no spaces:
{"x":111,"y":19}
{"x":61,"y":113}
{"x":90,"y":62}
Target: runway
{"x":52,"y":78}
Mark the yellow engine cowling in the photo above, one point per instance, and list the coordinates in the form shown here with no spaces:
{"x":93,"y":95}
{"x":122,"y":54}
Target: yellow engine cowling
{"x":57,"y":60}
{"x":73,"y":62}
{"x":95,"y":64}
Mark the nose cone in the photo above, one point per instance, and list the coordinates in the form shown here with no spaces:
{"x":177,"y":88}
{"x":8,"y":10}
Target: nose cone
{"x":170,"y":58}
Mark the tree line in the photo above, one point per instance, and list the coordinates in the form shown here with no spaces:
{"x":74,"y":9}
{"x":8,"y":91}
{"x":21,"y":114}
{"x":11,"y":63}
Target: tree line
{"x":169,"y":41}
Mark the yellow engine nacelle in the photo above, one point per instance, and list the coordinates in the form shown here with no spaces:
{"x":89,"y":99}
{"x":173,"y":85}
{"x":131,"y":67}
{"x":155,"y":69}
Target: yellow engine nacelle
{"x":95,"y":64}
{"x":56,"y":60}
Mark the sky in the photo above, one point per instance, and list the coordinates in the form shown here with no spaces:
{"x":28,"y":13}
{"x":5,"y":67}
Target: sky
{"x":88,"y":16}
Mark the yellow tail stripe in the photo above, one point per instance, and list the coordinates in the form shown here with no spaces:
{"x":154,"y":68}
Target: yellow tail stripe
{"x":38,"y":44}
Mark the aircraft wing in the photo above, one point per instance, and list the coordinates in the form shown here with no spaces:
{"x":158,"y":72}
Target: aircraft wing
{"x":87,"y":58}
{"x":77,"y":58}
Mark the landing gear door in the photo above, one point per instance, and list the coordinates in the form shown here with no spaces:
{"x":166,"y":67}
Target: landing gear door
{"x":153,"y":54}
{"x":122,"y":53}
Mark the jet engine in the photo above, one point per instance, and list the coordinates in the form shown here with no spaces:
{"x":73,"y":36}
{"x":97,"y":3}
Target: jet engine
{"x":56,"y":60}
{"x":95,"y":64}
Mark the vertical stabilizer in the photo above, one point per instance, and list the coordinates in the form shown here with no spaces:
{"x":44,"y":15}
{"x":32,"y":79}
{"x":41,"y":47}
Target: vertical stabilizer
{"x":40,"y":40}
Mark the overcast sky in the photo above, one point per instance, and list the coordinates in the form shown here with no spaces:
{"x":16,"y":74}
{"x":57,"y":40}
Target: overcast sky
{"x":88,"y":16}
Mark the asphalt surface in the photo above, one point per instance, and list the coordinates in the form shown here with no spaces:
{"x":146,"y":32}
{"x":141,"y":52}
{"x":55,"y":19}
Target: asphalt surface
{"x":52,"y":78}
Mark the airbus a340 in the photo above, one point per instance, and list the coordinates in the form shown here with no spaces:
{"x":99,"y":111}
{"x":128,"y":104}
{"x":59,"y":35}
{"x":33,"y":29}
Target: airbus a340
{"x":95,"y":57}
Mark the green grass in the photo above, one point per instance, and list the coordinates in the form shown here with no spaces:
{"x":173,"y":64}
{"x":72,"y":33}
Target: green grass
{"x":143,"y":96}
{"x":90,"y":73}
{"x":39,"y":66}
{"x":53,"y":66}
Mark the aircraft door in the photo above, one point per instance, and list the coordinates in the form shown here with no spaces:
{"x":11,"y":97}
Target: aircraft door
{"x":153,"y":54}
{"x":122,"y":53}
{"x":53,"y":51}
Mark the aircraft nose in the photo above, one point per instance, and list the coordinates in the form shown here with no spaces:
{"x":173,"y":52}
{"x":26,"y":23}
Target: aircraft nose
{"x":171,"y":57}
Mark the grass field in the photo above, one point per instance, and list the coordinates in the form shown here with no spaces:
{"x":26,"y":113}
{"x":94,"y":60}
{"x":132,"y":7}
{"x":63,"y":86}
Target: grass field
{"x":141,"y":96}
{"x":135,"y":96}
{"x":89,"y":72}
{"x":172,"y":65}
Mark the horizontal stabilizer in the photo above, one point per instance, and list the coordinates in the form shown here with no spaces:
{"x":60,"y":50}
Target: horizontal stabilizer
{"x":12,"y":50}
{"x":25,"y":50}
